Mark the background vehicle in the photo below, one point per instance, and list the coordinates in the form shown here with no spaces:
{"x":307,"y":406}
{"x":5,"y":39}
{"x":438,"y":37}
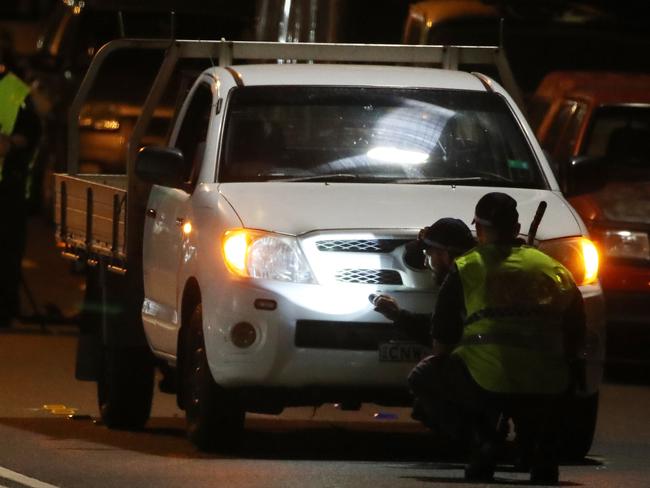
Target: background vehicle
{"x":358,"y":21}
{"x":538,"y":37}
{"x":284,"y":198}
{"x":20,"y":25}
{"x":72,"y":34}
{"x":469,"y":22}
{"x":601,"y":120}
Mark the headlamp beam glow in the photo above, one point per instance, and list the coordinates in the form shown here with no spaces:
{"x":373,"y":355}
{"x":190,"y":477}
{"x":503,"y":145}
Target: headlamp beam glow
{"x":387,"y":154}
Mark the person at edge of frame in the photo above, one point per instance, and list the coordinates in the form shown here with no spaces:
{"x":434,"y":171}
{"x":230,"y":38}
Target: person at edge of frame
{"x":20,"y":132}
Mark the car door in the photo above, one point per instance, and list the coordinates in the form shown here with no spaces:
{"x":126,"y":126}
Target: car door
{"x":168,"y":209}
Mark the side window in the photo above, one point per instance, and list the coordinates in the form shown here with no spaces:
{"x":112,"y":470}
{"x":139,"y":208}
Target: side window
{"x":557,"y":127}
{"x":562,"y":136}
{"x":194,"y":130}
{"x":413,"y":31}
{"x":537,"y":108}
{"x":567,"y":142}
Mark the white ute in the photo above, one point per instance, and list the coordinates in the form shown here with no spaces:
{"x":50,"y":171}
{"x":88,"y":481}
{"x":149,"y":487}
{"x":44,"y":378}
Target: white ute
{"x":285,"y":197}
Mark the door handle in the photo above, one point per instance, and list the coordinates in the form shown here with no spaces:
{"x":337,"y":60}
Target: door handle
{"x":151,"y":213}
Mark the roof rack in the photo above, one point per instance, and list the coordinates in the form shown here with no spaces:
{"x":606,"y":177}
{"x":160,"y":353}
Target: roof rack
{"x":225,"y":53}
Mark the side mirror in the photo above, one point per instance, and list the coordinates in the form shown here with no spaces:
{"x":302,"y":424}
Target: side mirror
{"x":163,"y":166}
{"x":585,"y":174}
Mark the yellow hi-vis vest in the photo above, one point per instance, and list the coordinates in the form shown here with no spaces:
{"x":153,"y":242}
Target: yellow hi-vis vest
{"x":513,"y":340}
{"x":13,"y":92}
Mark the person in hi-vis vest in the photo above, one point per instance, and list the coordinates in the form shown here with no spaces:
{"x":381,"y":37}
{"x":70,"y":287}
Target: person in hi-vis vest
{"x":509,"y":322}
{"x":20,"y":133}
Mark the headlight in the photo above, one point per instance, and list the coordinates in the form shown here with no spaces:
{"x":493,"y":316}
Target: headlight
{"x":626,"y":244}
{"x":257,"y":254}
{"x":578,"y":254}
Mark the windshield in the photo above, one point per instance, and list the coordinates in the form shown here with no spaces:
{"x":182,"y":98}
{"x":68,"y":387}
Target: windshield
{"x":621,"y":135}
{"x":417,"y":136}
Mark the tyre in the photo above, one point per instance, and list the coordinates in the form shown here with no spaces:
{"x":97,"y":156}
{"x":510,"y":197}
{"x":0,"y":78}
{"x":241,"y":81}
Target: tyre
{"x":579,"y":427}
{"x":89,"y":344}
{"x":215,"y":418}
{"x":125,"y":387}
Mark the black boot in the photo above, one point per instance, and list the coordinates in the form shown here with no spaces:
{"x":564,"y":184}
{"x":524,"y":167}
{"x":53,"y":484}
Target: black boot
{"x":544,"y":468}
{"x":482,"y":463}
{"x":545,"y":474}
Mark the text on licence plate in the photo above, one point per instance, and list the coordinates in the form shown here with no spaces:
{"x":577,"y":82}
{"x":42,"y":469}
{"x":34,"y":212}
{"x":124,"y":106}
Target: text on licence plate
{"x":402,"y":351}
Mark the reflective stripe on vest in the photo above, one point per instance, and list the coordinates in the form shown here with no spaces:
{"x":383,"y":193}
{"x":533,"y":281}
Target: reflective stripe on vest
{"x":551,"y":343}
{"x":513,"y":341}
{"x":530,"y":312}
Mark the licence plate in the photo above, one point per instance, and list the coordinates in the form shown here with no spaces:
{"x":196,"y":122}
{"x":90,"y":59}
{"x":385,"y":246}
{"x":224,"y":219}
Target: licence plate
{"x":403,"y":352}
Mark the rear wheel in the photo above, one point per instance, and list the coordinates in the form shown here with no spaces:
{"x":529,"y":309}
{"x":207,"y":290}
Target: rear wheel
{"x":125,"y":387}
{"x":579,"y":427}
{"x":215,"y":418}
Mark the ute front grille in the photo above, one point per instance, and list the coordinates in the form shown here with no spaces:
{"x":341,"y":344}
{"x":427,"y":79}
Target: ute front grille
{"x":360,"y":245}
{"x":369,"y":276}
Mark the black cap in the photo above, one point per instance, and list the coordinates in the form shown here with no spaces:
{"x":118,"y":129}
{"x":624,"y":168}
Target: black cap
{"x":497,"y":210}
{"x":446,"y":233}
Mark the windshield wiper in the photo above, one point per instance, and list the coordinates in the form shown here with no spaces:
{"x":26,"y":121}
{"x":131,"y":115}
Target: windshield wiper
{"x":324,"y":177}
{"x":492,"y":180}
{"x":465,"y":180}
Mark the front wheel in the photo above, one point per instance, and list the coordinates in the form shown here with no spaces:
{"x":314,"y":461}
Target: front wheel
{"x":579,"y":427}
{"x":215,"y":418}
{"x":125,"y":387}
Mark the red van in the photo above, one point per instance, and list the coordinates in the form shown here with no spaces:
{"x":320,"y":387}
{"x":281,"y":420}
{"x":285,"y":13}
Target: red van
{"x":603,"y":119}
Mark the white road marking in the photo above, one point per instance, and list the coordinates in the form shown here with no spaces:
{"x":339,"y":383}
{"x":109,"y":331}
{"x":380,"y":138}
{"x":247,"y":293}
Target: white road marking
{"x":21,"y":478}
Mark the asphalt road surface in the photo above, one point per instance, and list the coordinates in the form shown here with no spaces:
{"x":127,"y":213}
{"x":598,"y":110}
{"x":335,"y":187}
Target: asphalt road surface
{"x":49,"y":436}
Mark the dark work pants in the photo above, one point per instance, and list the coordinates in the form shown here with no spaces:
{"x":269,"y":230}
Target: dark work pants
{"x":13,"y":215}
{"x":447,"y":397}
{"x":454,"y":404}
{"x":537,"y":420}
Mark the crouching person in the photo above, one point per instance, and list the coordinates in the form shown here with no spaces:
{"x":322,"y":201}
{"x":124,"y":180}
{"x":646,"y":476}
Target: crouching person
{"x":505,"y":328}
{"x":436,"y":248}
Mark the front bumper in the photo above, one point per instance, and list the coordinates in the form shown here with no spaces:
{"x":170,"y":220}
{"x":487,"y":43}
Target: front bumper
{"x":345,"y":360}
{"x":628,"y":326}
{"x":628,"y":307}
{"x":595,"y":340}
{"x":283,"y":359}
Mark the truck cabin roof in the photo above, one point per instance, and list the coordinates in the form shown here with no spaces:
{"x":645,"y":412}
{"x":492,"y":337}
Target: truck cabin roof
{"x":355,"y":75}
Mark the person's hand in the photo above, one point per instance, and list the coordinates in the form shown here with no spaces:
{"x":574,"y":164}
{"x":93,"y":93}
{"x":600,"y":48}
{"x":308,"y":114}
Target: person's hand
{"x":385,"y":305}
